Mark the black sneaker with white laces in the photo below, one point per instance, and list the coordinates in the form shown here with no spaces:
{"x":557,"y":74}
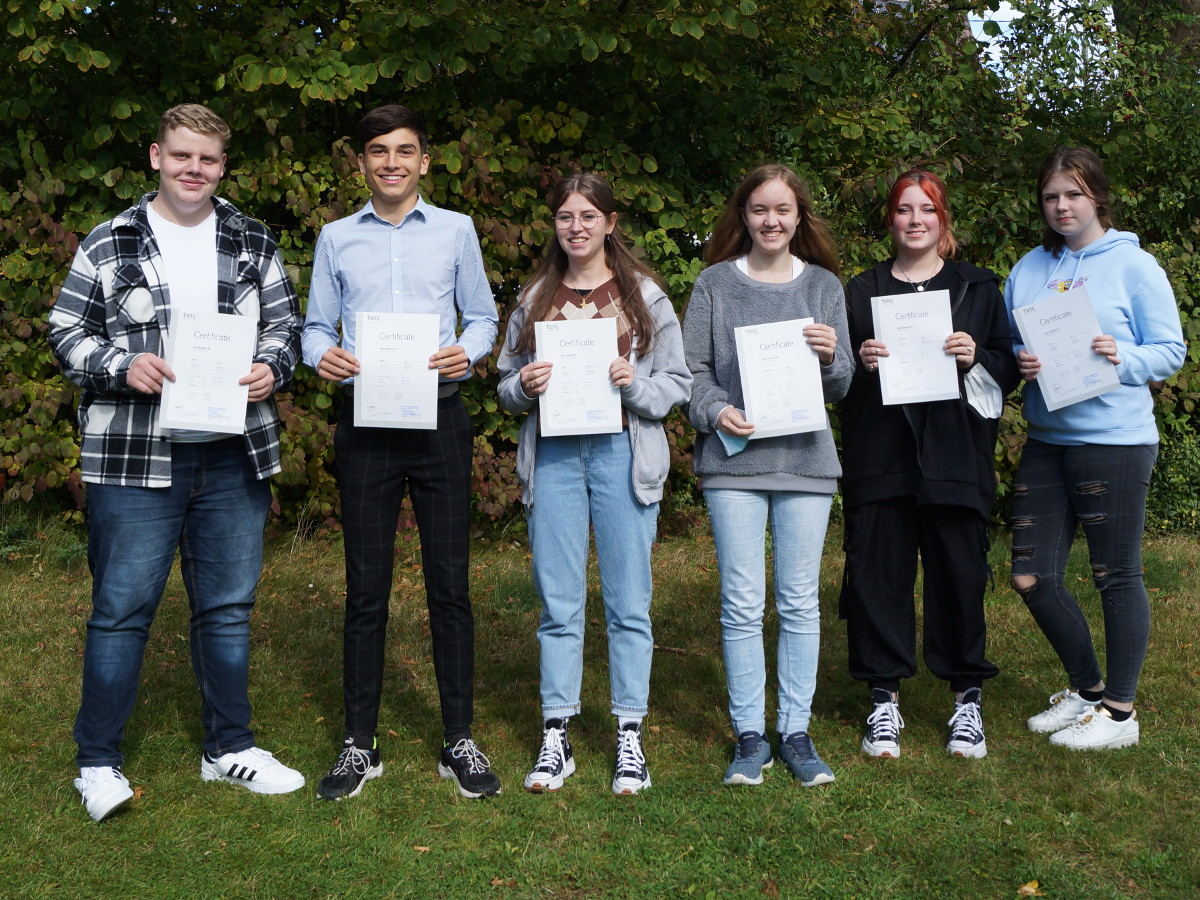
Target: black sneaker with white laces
{"x":966,"y":727}
{"x":555,"y":761}
{"x":882,"y":738}
{"x":631,"y":773}
{"x":471,"y":770}
{"x":354,"y":767}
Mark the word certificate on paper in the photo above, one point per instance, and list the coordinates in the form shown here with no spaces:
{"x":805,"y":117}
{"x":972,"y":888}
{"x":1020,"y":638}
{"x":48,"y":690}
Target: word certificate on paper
{"x":209,"y":353}
{"x":1059,"y":331}
{"x":580,"y":397}
{"x":781,"y":378}
{"x":914,"y":327}
{"x":395,"y":388}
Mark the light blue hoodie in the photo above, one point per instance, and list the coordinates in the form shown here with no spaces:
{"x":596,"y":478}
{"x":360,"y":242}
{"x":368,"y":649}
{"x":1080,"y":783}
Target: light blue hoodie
{"x":1134,"y":303}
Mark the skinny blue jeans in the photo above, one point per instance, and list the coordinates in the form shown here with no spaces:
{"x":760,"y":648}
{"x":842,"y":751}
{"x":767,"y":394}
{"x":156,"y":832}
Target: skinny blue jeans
{"x":580,"y":481}
{"x":798,"y":521}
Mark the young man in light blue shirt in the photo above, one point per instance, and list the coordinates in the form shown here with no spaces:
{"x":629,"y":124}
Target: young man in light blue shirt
{"x":400,"y":254}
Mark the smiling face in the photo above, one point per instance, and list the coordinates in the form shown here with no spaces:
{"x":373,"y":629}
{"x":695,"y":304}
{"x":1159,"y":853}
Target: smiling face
{"x":189,"y":166}
{"x":916,"y":228}
{"x":393,"y":164}
{"x":1070,"y":211}
{"x":771,"y":216}
{"x":581,"y":229}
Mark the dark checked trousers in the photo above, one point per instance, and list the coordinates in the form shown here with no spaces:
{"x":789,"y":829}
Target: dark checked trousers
{"x":375,"y":466}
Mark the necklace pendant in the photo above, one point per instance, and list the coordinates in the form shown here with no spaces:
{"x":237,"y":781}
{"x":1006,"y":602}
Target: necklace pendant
{"x":920,"y":287}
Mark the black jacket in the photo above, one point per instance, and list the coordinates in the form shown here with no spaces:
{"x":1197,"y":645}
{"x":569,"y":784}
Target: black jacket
{"x":942,"y":452}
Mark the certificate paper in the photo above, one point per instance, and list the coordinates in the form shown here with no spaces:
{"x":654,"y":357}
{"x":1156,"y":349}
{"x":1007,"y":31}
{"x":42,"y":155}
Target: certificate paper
{"x":1059,"y":331}
{"x":209,"y":353}
{"x":395,"y":388}
{"x":781,"y":378}
{"x":579,"y":397}
{"x":914,"y":327}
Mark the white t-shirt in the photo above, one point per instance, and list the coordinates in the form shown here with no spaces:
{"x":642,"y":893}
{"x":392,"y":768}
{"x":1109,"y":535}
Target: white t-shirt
{"x":189,"y":255}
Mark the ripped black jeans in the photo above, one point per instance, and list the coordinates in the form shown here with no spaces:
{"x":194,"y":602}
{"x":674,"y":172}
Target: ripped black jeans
{"x":1103,"y":488}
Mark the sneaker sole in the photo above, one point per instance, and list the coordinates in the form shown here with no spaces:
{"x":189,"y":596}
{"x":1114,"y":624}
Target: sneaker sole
{"x":447,"y":772}
{"x":978,"y":751}
{"x":102,"y":814}
{"x":628,"y":790}
{"x":739,"y":778}
{"x":209,"y":772}
{"x":825,"y":778}
{"x":373,"y":772}
{"x":1127,"y":740}
{"x":879,"y":752}
{"x":551,"y":783}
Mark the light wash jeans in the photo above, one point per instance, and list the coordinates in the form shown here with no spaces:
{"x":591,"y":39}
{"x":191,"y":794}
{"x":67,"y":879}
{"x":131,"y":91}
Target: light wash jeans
{"x":580,"y":480}
{"x":213,"y":513}
{"x":798,"y":521}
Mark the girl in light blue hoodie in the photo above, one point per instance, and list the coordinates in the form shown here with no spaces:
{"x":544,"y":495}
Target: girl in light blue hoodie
{"x":1089,"y":463}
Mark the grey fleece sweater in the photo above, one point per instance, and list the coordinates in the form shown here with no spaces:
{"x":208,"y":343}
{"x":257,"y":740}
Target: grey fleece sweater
{"x":724,"y":299}
{"x":661,"y":381}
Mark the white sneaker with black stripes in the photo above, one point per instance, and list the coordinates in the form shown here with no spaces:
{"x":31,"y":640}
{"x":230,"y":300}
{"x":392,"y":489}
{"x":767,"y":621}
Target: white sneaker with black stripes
{"x":254,"y":769}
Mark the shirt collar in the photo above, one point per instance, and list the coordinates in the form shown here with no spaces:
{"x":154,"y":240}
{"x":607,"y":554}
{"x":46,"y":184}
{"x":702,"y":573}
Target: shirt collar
{"x":420,"y":210}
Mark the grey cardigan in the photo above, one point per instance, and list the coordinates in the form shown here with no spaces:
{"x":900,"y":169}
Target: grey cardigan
{"x":661,"y":381}
{"x":723,"y":299}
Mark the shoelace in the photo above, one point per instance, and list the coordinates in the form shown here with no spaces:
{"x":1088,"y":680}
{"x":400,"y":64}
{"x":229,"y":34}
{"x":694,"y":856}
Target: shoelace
{"x":1061,"y":697}
{"x":885,"y":721}
{"x":630,"y":758}
{"x":477,"y":763}
{"x":747,"y":745}
{"x":966,"y":723}
{"x":1084,"y":720}
{"x":802,"y":744}
{"x":352,"y":759}
{"x":550,"y":758}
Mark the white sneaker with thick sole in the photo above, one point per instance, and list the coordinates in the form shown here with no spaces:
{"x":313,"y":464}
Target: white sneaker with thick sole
{"x":104,"y":790}
{"x":254,"y":769}
{"x":1065,"y":707}
{"x":1096,"y":729}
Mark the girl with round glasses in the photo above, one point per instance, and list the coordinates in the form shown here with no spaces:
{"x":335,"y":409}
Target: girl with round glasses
{"x":609,"y":484}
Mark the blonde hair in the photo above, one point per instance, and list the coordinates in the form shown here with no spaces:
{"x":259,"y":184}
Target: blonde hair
{"x":193,"y":117}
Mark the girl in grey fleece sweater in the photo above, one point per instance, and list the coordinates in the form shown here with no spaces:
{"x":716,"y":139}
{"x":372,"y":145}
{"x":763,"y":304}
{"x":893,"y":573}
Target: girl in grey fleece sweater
{"x":771,"y":260}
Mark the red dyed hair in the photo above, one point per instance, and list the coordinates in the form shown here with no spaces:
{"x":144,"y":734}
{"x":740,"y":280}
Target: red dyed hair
{"x":935,"y":190}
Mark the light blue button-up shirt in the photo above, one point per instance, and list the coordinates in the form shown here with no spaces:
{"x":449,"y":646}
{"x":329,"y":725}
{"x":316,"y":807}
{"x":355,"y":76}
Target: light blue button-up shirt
{"x":429,"y":263}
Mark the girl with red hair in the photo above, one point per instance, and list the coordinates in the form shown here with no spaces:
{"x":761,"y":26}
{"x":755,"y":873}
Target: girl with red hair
{"x":920,"y":479}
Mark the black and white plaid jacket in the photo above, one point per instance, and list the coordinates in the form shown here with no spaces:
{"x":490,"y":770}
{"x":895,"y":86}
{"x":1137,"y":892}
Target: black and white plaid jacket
{"x":114,"y":306}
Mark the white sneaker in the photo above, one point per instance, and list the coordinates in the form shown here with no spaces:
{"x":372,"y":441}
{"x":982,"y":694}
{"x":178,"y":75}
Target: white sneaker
{"x":254,"y":769}
{"x":104,"y":790}
{"x":1097,"y":730}
{"x":1065,"y":707}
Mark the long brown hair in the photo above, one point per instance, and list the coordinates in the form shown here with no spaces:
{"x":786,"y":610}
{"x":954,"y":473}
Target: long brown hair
{"x":811,"y":242}
{"x":933,"y":188}
{"x":627,"y":268}
{"x":1083,"y":166}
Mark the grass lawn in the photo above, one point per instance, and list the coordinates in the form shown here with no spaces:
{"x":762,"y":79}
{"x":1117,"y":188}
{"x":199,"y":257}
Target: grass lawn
{"x":1029,"y":820}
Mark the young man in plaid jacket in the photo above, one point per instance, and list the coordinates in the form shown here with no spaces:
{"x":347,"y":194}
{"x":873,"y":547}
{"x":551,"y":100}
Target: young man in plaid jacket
{"x":153,"y":490}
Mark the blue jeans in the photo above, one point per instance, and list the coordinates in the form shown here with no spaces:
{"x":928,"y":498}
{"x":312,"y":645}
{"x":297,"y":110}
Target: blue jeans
{"x":798,"y":521}
{"x":577,"y":480}
{"x":214,"y":513}
{"x":1104,"y":489}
